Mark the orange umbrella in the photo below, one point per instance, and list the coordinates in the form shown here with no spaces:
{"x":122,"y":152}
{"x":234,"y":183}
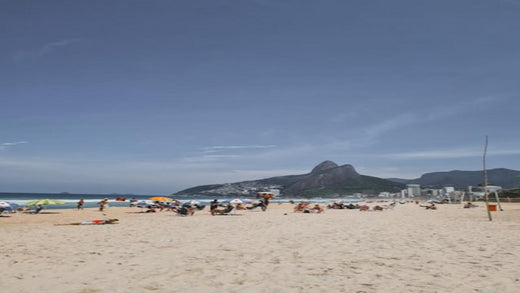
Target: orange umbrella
{"x":160,"y":198}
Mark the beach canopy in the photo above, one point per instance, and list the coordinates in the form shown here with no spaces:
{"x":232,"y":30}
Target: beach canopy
{"x":45,"y":202}
{"x":236,"y":201}
{"x":160,"y":198}
{"x":4,"y":204}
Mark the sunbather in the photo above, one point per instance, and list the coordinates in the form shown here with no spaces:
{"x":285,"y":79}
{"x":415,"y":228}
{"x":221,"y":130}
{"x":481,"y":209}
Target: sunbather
{"x":470,"y":205}
{"x":431,"y":207}
{"x":364,"y":208}
{"x":93,"y":222}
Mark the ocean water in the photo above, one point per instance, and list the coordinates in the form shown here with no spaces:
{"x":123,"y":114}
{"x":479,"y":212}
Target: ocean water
{"x":92,"y":200}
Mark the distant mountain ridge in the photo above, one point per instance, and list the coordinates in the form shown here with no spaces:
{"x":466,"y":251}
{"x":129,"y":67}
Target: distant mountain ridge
{"x":326,"y":179}
{"x":506,"y":178}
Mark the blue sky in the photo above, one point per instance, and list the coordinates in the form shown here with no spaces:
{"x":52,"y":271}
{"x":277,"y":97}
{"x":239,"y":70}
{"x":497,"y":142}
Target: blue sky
{"x":158,"y":96}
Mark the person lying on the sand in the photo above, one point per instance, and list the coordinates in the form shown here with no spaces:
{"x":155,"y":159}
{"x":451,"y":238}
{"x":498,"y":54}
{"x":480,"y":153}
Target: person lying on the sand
{"x":222,"y":211}
{"x":431,"y":207}
{"x":470,"y":205}
{"x":93,"y":222}
{"x":378,"y":208}
{"x":255,"y":205}
{"x":364,"y":208}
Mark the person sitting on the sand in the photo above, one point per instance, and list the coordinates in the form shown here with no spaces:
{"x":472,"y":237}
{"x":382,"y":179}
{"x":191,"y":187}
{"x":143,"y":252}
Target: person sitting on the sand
{"x":240,"y":207}
{"x":213,"y":205}
{"x":93,"y":222}
{"x":316,"y":208}
{"x":301,"y":207}
{"x":39,"y":208}
{"x":185,"y":210}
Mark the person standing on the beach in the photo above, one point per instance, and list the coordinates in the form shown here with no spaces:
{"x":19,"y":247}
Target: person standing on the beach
{"x":80,"y":204}
{"x":213,"y":205}
{"x":102,"y":204}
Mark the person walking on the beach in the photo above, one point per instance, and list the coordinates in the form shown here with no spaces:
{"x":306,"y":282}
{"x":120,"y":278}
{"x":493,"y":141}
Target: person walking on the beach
{"x":80,"y":204}
{"x":102,"y":204}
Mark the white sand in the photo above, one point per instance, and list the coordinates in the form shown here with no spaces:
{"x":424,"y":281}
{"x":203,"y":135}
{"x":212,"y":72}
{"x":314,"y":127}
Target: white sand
{"x":407,"y":249}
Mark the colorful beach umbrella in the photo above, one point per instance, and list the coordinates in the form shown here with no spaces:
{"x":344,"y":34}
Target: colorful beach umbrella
{"x":160,"y":198}
{"x":45,"y":202}
{"x":3,"y":204}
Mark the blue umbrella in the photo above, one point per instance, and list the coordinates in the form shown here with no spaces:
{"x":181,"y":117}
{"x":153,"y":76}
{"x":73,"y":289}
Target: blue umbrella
{"x":4,"y":206}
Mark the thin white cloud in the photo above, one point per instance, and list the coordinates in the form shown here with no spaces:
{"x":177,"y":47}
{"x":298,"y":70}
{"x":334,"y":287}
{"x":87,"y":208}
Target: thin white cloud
{"x":50,"y":47}
{"x":45,"y":49}
{"x":450,"y":154}
{"x":235,"y":147}
{"x":209,"y":158}
{"x":404,"y":119}
{"x":395,"y":122}
{"x":6,"y":145}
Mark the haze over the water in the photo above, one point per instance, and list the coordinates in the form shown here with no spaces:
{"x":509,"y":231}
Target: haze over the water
{"x":157,"y":96}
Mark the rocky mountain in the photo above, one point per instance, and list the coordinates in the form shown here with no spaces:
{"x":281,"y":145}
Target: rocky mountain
{"x":326,"y":179}
{"x":462,"y":179}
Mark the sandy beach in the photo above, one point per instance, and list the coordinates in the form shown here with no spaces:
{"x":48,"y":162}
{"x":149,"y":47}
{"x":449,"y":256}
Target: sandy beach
{"x":405,"y":249}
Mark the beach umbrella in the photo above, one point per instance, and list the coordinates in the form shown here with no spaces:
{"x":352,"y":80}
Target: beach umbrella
{"x":194,"y":202}
{"x":13,"y":205}
{"x":44,"y":202}
{"x":236,"y":201}
{"x":4,"y":204}
{"x":160,"y":198}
